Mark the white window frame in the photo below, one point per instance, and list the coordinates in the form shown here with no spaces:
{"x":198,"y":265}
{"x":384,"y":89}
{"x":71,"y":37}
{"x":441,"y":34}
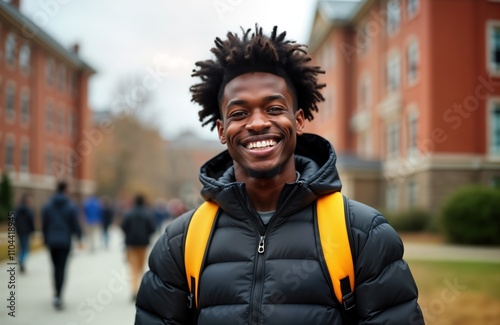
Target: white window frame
{"x":393,"y":70}
{"x":494,"y":153}
{"x":491,"y":67}
{"x":413,"y":133}
{"x":10,"y":49}
{"x":25,"y":58}
{"x":9,"y":151}
{"x":392,"y":197}
{"x":10,"y":102}
{"x":411,"y":194}
{"x":61,"y":77}
{"x":393,"y":8}
{"x":393,"y":130}
{"x":327,"y":56}
{"x":60,"y":120}
{"x":412,"y":8}
{"x":412,"y":54}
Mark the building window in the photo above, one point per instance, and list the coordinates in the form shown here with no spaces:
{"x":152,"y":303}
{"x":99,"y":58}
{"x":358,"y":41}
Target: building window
{"x":393,"y":16}
{"x":393,"y":73}
{"x":25,"y":158}
{"x":412,"y":8}
{"x":61,"y":77}
{"x":60,"y":120}
{"x":412,"y":60}
{"x":10,"y":49}
{"x":392,"y":141}
{"x":48,"y":117}
{"x":10,"y":109}
{"x":24,"y":58}
{"x":392,"y":197}
{"x":50,"y":71}
{"x":412,"y":135}
{"x":9,"y":153}
{"x":25,"y":108}
{"x":494,"y":46}
{"x":411,"y":193}
{"x":495,"y":129}
{"x":48,"y":161}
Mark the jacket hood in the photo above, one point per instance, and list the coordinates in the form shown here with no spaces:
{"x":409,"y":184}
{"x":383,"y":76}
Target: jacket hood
{"x":315,"y":161}
{"x":60,"y":199}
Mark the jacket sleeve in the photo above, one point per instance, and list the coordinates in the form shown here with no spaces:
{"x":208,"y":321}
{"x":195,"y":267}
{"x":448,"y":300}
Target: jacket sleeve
{"x":75,"y":223}
{"x":385,"y":290}
{"x":162,"y":296}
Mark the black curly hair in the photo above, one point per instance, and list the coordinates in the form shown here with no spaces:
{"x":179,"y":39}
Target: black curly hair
{"x":252,"y":53}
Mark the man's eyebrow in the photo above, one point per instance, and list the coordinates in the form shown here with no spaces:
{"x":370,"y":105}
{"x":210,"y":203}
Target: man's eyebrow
{"x":267,"y":99}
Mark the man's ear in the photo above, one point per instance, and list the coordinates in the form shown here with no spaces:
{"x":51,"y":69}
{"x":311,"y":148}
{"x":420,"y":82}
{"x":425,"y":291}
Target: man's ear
{"x":299,"y":121}
{"x":220,"y":131}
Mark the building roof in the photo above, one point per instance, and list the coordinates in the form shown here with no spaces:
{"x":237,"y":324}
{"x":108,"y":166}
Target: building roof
{"x":33,"y":32}
{"x":330,"y":13}
{"x":353,"y":162}
{"x":339,"y":10}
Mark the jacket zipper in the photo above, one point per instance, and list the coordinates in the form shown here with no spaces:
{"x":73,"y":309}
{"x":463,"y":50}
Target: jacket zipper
{"x":259,"y":264}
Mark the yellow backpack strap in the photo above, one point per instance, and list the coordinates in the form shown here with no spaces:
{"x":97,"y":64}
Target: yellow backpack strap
{"x":334,"y":238}
{"x":197,"y":237}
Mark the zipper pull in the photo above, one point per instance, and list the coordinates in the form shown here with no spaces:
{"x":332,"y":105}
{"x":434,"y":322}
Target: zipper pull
{"x":260,"y":249}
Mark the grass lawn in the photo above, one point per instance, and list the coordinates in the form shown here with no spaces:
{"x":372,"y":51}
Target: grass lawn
{"x":459,"y":293}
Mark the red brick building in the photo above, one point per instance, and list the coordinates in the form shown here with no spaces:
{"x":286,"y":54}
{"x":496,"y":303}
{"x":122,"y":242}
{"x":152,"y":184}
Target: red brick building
{"x":412,"y":98}
{"x":44,"y":112}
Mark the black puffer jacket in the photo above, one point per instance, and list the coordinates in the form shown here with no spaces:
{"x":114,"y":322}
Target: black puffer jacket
{"x":286,"y":284}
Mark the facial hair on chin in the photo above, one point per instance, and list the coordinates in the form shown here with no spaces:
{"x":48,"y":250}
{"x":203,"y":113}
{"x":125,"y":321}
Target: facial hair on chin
{"x":264,"y":174}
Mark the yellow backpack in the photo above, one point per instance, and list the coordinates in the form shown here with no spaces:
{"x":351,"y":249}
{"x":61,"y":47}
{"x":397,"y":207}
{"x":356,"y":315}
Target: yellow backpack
{"x":333,"y":233}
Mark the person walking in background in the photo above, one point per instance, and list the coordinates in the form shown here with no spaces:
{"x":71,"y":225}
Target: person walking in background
{"x":25,"y":226}
{"x":59,"y":223}
{"x":107,"y":216}
{"x":93,"y":211}
{"x":138,"y":225}
{"x":161,"y":213}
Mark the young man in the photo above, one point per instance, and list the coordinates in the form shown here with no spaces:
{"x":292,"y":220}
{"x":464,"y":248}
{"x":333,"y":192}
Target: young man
{"x":59,"y":223}
{"x":258,"y":92}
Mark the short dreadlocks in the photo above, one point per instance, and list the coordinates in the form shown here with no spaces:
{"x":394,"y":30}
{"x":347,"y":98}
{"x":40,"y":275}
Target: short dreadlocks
{"x":255,"y":53}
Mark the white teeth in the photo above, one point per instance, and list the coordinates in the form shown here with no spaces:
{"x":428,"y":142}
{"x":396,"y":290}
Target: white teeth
{"x":261,"y":144}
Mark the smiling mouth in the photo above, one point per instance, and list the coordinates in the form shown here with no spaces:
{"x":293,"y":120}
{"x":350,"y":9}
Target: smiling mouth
{"x":261,"y":145}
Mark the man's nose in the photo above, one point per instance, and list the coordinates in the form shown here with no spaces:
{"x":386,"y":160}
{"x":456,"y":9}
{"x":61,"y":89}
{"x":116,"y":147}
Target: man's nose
{"x":258,"y":121}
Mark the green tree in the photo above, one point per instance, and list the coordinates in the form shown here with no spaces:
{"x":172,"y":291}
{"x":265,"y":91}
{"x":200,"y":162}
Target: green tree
{"x":6,"y":197}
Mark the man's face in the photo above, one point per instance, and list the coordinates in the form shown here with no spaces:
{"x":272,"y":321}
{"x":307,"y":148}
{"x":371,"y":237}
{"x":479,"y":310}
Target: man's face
{"x":259,"y":125}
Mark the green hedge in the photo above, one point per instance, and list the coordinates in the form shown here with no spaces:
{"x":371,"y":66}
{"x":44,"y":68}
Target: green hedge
{"x":409,"y":221}
{"x":471,"y":215}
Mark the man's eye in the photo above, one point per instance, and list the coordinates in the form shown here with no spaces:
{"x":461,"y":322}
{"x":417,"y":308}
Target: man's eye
{"x":275,"y":109}
{"x":237,"y":114}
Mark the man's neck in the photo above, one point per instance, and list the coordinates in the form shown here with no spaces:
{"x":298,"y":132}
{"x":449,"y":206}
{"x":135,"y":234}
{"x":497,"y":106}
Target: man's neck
{"x":264,"y":192}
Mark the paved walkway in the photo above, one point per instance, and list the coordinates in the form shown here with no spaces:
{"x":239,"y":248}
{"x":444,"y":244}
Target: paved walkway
{"x":96,"y":289}
{"x":444,"y":252}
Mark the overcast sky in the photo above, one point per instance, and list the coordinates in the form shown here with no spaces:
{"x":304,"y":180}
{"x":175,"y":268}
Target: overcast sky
{"x":121,"y":38}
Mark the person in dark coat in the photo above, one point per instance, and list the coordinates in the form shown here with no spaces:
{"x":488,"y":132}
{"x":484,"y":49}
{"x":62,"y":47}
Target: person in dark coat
{"x":25,"y":226}
{"x":263,"y":264}
{"x":107,"y":216}
{"x":138,"y":225}
{"x":59,"y":224}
